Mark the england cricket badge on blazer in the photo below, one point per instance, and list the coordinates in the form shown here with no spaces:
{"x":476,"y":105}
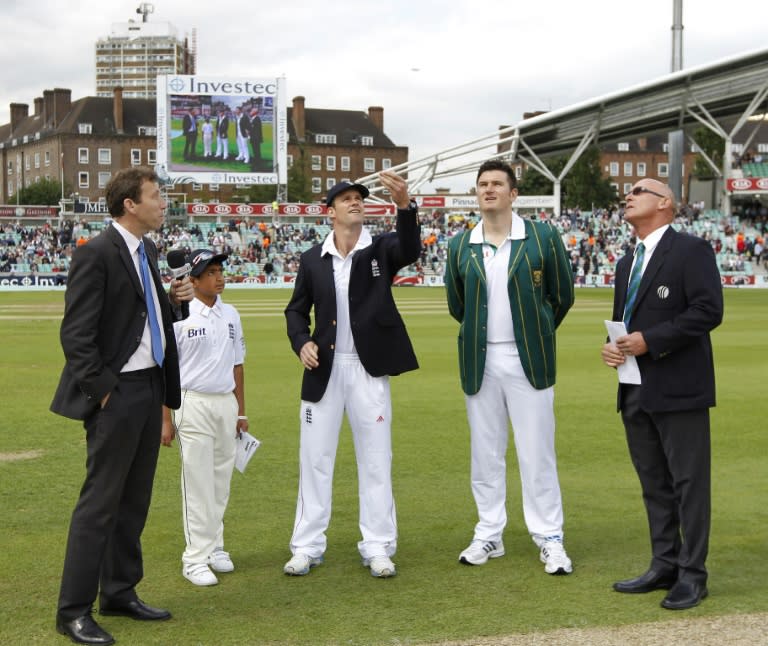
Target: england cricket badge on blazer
{"x":662,"y":292}
{"x":375,"y":271}
{"x":537,"y":275}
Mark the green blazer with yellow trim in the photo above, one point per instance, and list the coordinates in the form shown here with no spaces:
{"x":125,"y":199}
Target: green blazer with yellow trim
{"x":540,"y":286}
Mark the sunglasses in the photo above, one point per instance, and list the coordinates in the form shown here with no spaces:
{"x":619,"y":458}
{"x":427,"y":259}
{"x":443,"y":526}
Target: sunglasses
{"x":641,"y":189}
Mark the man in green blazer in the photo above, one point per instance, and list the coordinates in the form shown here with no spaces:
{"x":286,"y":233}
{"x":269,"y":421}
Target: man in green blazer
{"x":509,"y":284}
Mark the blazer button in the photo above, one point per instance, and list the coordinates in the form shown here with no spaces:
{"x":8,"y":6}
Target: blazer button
{"x":333,"y":347}
{"x":333,"y":322}
{"x":143,"y":315}
{"x":138,"y":340}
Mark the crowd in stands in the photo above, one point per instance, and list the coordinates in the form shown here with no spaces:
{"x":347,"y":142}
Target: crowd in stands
{"x":594,"y":240}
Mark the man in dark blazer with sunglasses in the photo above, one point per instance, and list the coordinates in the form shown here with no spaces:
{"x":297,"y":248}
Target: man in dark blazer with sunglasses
{"x":669,"y":295}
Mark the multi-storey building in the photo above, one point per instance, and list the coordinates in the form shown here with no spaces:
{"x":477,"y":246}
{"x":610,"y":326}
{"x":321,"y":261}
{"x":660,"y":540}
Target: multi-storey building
{"x":340,"y":144}
{"x":82,"y":143}
{"x":134,"y":54}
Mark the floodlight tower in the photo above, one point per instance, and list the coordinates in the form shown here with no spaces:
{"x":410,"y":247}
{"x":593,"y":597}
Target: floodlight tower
{"x":145,"y":8}
{"x":675,"y":140}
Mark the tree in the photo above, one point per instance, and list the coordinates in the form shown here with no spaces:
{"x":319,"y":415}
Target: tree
{"x":585,"y":185}
{"x":713,"y":146}
{"x":299,"y":182}
{"x":534,"y":183}
{"x":46,"y":192}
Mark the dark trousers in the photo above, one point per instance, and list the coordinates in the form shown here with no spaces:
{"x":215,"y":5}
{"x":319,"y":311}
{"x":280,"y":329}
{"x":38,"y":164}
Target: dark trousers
{"x":190,"y":144}
{"x":671,"y":454}
{"x":104,"y":543}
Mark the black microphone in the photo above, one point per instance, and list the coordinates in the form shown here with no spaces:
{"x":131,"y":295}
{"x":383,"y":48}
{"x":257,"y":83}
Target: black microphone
{"x":180,"y":268}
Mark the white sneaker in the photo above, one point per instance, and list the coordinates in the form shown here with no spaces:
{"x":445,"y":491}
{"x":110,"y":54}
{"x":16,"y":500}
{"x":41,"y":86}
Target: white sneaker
{"x":553,"y":556}
{"x":300,"y":564}
{"x":381,"y":566}
{"x":479,"y":552}
{"x":199,"y":574}
{"x":220,"y":561}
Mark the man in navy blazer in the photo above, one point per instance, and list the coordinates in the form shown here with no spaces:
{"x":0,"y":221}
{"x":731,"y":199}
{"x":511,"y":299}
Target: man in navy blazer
{"x":358,"y":341}
{"x":670,"y":297}
{"x":115,"y":380}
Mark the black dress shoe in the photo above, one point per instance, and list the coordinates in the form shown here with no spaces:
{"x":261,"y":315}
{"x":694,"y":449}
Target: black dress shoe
{"x":136,"y":610}
{"x":83,"y":630}
{"x":684,"y":594}
{"x":647,"y":582}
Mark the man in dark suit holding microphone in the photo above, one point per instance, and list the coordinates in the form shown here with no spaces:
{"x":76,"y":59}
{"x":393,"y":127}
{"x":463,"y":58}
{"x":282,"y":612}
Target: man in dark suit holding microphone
{"x":358,"y":341}
{"x":121,"y":366}
{"x":670,"y":297}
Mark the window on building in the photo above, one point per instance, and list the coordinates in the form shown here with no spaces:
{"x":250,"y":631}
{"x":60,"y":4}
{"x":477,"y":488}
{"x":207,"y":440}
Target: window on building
{"x":135,"y":156}
{"x":737,"y":148}
{"x":623,"y":146}
{"x":665,"y":148}
{"x":613,"y":169}
{"x":345,"y":164}
{"x":196,"y":186}
{"x":82,"y":155}
{"x":762,"y":148}
{"x":37,"y":160}
{"x":330,"y":162}
{"x":47,"y":158}
{"x":84,"y":128}
{"x":330,"y":182}
{"x":641,"y":169}
{"x":317,"y":186}
{"x":105,"y":155}
{"x":626,"y":188}
{"x":325,"y":139}
{"x":627,"y":169}
{"x":151,"y":156}
{"x":662,"y":169}
{"x":83,"y":179}
{"x":386,"y":164}
{"x":103,"y":179}
{"x":148,"y":131}
{"x":366,"y":140}
{"x":289,"y":160}
{"x":518,"y":172}
{"x":10,"y":167}
{"x":317,"y":162}
{"x":27,"y":162}
{"x":10,"y":188}
{"x":369,"y":164}
{"x":213,"y":187}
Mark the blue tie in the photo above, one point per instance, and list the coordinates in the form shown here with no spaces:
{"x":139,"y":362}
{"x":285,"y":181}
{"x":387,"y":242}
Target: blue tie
{"x":154,"y":326}
{"x":634,"y":282}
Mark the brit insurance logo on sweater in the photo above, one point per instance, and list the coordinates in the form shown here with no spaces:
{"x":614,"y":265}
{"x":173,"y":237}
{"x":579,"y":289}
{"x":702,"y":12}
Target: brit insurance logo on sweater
{"x":195,"y":333}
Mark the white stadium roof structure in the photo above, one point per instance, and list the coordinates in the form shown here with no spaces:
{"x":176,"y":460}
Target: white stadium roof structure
{"x":728,"y":91}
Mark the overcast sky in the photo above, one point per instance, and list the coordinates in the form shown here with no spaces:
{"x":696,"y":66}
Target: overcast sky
{"x":445,"y":71}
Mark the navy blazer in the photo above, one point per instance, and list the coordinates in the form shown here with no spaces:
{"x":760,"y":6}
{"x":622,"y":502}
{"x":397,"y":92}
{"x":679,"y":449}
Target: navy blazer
{"x":378,"y":330}
{"x":104,"y":318}
{"x":679,"y":301}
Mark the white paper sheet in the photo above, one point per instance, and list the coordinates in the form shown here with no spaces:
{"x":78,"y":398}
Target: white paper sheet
{"x":246,"y":447}
{"x":629,"y":371}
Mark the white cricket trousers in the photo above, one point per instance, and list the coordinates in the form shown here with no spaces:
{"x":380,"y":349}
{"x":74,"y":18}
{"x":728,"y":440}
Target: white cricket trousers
{"x":367,"y":403}
{"x":206,"y":430}
{"x":506,"y":394}
{"x":222,"y":147}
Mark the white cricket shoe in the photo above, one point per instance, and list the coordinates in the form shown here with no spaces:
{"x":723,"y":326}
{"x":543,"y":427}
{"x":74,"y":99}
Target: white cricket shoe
{"x":553,"y":556}
{"x":220,"y":561}
{"x":300,"y":564}
{"x":479,"y":552}
{"x":381,"y":566}
{"x":199,"y":574}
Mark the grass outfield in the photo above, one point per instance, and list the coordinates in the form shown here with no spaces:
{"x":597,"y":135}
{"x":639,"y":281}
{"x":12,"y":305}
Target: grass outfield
{"x":433,"y":598}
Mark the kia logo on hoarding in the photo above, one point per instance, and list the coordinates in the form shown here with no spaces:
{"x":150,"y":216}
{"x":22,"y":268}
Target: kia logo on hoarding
{"x":292,"y":209}
{"x":244,"y":209}
{"x":314,"y":209}
{"x":222,"y":209}
{"x":741,"y":184}
{"x":762,"y":183}
{"x":199,"y":209}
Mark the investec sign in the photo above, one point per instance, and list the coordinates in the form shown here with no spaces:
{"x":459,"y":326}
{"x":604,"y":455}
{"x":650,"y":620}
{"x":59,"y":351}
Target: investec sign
{"x":747,"y":185}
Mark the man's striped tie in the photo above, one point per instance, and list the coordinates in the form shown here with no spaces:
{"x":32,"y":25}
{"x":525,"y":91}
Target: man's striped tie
{"x":634,"y":282}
